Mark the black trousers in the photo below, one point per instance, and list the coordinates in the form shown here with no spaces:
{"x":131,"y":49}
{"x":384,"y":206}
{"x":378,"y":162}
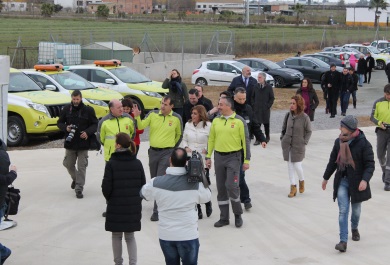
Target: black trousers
{"x":266,"y":129}
{"x":368,"y":72}
{"x":332,"y":98}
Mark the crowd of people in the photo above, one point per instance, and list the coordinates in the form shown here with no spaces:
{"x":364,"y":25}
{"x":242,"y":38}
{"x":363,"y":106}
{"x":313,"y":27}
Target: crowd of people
{"x":224,"y":132}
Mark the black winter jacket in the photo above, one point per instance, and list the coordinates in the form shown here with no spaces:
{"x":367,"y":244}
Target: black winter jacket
{"x":245,"y":111}
{"x":333,"y":78}
{"x":370,"y":63}
{"x":6,"y":177}
{"x":123,"y":179}
{"x":239,"y":82}
{"x":363,"y":156}
{"x":346,"y":83}
{"x":187,"y":109}
{"x":84,"y":117}
{"x":177,"y":91}
{"x":361,"y":66}
{"x":355,"y":80}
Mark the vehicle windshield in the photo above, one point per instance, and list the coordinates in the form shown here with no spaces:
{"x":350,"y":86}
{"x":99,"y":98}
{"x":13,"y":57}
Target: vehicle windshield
{"x":320,"y":63}
{"x":271,"y":65}
{"x":71,"y":81}
{"x":374,"y":50}
{"x":128,"y":75}
{"x":241,"y":65}
{"x":19,"y":82}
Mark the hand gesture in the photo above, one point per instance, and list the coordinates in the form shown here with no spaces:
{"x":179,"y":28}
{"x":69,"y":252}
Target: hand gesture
{"x":324,"y":182}
{"x":136,"y":111}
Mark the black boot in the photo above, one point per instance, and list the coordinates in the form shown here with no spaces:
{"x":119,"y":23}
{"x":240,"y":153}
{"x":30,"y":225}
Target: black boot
{"x":354,"y":104}
{"x":200,"y":214}
{"x":209,"y":209}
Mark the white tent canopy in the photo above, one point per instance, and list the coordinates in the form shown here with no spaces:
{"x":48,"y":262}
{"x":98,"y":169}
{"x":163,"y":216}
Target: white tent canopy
{"x":4,"y":81}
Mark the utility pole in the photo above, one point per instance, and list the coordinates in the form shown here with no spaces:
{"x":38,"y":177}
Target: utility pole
{"x":247,"y":12}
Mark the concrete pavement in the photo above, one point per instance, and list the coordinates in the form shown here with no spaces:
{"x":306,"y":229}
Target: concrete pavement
{"x":56,"y":228}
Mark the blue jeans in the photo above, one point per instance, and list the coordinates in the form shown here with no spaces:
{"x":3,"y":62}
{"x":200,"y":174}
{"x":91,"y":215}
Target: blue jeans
{"x":343,"y":200}
{"x":244,"y":190}
{"x":344,"y":101}
{"x":4,"y":253}
{"x":186,"y":250}
{"x":361,"y":77}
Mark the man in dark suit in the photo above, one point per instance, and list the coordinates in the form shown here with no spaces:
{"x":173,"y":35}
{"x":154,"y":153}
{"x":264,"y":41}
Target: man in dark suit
{"x":244,"y":80}
{"x":331,"y":82}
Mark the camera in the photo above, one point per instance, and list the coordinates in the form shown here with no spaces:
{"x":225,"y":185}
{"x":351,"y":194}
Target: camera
{"x":195,"y":168}
{"x":70,"y":136}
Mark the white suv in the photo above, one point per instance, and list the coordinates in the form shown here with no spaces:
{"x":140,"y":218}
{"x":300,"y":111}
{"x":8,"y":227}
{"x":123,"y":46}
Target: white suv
{"x":221,"y":73}
{"x":381,"y":59}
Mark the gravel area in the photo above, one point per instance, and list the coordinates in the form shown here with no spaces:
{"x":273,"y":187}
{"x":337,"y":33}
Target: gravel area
{"x":366,"y":96}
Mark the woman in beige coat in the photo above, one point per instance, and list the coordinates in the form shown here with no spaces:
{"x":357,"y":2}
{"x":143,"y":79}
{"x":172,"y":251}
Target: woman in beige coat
{"x":295,"y":136}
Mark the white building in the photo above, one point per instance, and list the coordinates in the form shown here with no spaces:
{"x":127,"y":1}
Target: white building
{"x":362,"y":16}
{"x":74,"y":4}
{"x":15,"y":5}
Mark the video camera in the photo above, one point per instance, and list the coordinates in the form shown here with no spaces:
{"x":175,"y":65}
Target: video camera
{"x":195,"y":168}
{"x":70,"y":136}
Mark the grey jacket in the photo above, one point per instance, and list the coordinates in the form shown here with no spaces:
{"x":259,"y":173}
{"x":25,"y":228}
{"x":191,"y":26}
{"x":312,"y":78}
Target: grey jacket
{"x":298,"y":132}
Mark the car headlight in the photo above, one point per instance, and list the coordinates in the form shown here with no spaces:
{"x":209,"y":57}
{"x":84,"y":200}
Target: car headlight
{"x":97,"y":102}
{"x":38,"y":107}
{"x":152,"y":94}
{"x":294,"y":75}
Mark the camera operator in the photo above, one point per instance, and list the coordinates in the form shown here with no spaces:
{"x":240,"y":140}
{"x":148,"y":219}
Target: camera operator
{"x":380,"y":115}
{"x":178,"y":218}
{"x":79,"y":122}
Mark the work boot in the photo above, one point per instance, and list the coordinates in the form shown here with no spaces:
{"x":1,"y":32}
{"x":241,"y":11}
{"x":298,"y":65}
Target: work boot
{"x":387,"y":187}
{"x":354,"y":104}
{"x":79,"y":194}
{"x":221,"y":223}
{"x":238,"y":220}
{"x":301,"y":186}
{"x":200,"y":214}
{"x":355,"y":235}
{"x":293,"y":191}
{"x":342,"y":246}
{"x":247,"y":205}
{"x":209,"y":209}
{"x":154,"y":217}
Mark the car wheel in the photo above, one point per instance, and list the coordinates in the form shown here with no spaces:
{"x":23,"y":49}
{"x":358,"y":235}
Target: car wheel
{"x":201,"y":81}
{"x":279,"y":81}
{"x":17,"y":134}
{"x":380,"y":65}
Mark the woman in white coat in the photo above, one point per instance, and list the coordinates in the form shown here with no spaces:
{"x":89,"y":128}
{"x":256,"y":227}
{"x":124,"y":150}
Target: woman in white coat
{"x":195,"y":138}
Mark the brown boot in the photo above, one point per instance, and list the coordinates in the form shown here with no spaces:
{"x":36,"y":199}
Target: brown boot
{"x":293,"y":191}
{"x":301,"y":186}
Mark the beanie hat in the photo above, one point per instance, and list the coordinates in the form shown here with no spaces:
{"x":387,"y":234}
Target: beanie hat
{"x":350,"y":123}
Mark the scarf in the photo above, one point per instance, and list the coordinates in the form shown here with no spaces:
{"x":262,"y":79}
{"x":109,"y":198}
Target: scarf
{"x":306,"y":98}
{"x":344,"y":157}
{"x":176,"y":85}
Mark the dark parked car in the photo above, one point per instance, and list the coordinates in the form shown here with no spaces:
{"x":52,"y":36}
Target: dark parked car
{"x":326,"y":58}
{"x":282,"y":76}
{"x":312,"y":68}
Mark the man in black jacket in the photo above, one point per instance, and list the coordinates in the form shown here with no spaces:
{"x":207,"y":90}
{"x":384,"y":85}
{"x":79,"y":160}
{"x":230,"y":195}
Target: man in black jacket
{"x":331,"y":82}
{"x":244,"y":80}
{"x":370,"y":63}
{"x":202,"y":99}
{"x":345,"y":88}
{"x":245,"y":111}
{"x":79,"y":123}
{"x":387,"y":71}
{"x":193,"y":100}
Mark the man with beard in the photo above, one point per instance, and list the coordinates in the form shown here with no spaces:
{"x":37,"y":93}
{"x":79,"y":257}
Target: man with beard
{"x":79,"y":122}
{"x":245,"y":111}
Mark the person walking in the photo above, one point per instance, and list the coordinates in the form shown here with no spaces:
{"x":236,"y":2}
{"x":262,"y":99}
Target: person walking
{"x":79,"y":122}
{"x":387,"y":71}
{"x":176,"y":198}
{"x":244,"y":80}
{"x":195,"y":137}
{"x":202,"y":99}
{"x":166,"y":132}
{"x":127,"y":104}
{"x":353,"y":160}
{"x":331,"y":81}
{"x":193,"y":96}
{"x":354,"y":87}
{"x":296,"y":133}
{"x":113,"y":123}
{"x":380,"y":116}
{"x":261,"y":101}
{"x":361,"y":69}
{"x":229,"y":137}
{"x":308,"y":93}
{"x":245,"y":111}
{"x":123,"y":179}
{"x":177,"y":90}
{"x":370,"y":64}
{"x":346,"y":86}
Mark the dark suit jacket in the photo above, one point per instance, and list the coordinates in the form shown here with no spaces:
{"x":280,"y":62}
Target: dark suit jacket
{"x":238,"y":82}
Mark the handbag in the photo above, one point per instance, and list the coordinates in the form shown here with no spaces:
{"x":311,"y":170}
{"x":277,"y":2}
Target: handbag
{"x":94,"y":143}
{"x":12,"y":198}
{"x":284,"y":125}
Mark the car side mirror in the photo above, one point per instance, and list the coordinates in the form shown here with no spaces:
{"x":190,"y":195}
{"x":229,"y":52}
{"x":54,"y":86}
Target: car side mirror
{"x":234,"y":72}
{"x":51,"y":87}
{"x":266,"y":69}
{"x":314,"y":66}
{"x":110,"y":81}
